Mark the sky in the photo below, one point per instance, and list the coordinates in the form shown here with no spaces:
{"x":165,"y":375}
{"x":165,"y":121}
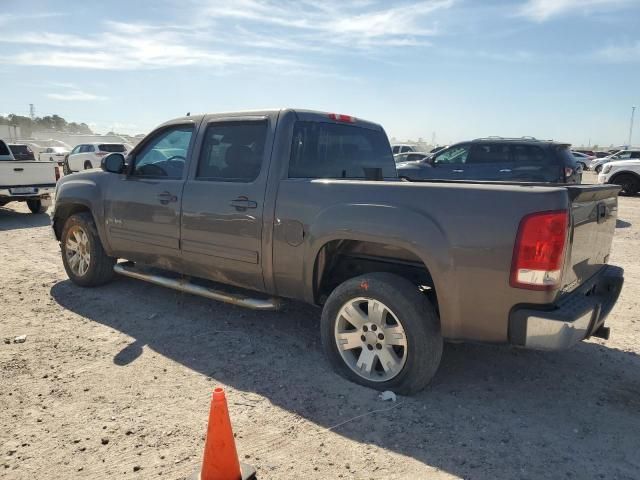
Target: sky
{"x":453,"y":69}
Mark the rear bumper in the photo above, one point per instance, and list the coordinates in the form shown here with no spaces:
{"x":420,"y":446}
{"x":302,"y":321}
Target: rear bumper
{"x":576,"y":316}
{"x":44,"y":193}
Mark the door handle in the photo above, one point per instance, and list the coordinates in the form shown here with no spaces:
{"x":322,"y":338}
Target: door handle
{"x":166,"y":197}
{"x":457,"y":171}
{"x":242,"y":203}
{"x":505,"y":170}
{"x":18,"y":169}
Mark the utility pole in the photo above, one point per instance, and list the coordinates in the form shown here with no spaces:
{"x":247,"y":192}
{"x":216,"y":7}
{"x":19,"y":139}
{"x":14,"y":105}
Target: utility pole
{"x":633,"y":111}
{"x":32,"y":111}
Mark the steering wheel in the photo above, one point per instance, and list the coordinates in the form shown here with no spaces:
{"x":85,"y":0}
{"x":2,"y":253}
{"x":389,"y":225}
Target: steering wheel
{"x":171,"y":159}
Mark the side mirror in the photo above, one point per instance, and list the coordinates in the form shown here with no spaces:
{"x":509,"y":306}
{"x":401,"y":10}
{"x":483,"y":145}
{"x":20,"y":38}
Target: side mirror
{"x":113,"y":163}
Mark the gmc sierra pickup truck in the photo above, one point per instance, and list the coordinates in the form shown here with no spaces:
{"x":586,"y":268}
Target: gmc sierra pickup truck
{"x":308,"y":206}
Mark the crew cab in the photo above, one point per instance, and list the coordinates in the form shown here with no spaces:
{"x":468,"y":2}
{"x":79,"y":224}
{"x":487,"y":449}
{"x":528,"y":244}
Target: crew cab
{"x":308,"y":206}
{"x":26,"y":181}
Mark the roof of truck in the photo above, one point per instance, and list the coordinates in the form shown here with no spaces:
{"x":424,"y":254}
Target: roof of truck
{"x":298,"y":111}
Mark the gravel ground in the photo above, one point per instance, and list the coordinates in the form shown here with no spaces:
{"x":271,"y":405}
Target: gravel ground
{"x":115,"y":382}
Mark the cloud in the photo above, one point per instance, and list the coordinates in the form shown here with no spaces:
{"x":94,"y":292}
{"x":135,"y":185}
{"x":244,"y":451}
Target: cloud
{"x":360,"y":24}
{"x":229,"y":34}
{"x":75,"y":95}
{"x":542,"y":10}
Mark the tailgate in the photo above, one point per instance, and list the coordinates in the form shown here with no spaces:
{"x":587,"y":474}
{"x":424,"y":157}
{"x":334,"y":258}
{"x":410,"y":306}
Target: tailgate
{"x":26,"y":174}
{"x":594,"y":210}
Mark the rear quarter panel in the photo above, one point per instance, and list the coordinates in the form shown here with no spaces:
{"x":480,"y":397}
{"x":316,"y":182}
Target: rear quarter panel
{"x":464,"y":234}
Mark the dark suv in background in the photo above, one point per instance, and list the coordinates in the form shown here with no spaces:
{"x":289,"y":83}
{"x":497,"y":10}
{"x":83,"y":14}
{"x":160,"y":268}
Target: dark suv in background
{"x":498,"y":159}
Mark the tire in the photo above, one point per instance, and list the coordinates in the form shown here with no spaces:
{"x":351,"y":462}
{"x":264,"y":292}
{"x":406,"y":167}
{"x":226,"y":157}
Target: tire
{"x":408,"y":307}
{"x":87,"y":165}
{"x":65,"y":167}
{"x":630,"y":183}
{"x":36,"y":206}
{"x":99,"y":266}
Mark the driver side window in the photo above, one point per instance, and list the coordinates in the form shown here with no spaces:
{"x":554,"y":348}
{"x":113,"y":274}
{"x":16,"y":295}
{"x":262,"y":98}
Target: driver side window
{"x":453,"y":155}
{"x":165,"y":154}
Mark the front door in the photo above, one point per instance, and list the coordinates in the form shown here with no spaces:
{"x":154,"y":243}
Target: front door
{"x":223,"y":202}
{"x":142,"y":208}
{"x":449,"y":164}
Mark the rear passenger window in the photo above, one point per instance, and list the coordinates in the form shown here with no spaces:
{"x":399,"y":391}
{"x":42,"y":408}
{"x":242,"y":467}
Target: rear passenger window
{"x":534,"y":164}
{"x":489,"y":153}
{"x":232,"y":152}
{"x":328,"y":150}
{"x":405,"y":149}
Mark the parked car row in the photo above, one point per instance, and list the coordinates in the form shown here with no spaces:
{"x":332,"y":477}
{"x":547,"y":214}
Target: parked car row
{"x":498,"y":159}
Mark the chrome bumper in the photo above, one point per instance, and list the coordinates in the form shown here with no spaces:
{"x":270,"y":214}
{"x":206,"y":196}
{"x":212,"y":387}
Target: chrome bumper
{"x":576,"y":317}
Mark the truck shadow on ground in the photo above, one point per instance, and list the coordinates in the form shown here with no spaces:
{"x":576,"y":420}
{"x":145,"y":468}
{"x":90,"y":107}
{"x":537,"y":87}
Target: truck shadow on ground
{"x":491,"y":412}
{"x":13,"y":220}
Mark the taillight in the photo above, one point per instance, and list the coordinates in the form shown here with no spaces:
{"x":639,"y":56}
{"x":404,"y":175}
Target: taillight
{"x":539,"y":251}
{"x":57,"y":169}
{"x":338,"y":117}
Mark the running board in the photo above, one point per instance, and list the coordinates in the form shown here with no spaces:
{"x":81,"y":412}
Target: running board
{"x":184,"y":285}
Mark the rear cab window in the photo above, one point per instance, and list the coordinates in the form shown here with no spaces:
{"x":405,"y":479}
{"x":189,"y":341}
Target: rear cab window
{"x":330,"y":150}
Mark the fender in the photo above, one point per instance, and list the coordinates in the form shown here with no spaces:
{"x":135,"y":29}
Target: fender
{"x":83,"y":189}
{"x":418,"y":233}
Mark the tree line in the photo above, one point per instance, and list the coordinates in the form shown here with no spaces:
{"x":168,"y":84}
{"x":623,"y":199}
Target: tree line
{"x":28,"y":125}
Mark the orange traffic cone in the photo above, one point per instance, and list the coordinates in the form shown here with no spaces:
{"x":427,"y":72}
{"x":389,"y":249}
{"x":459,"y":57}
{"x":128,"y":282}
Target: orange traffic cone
{"x":220,"y":460}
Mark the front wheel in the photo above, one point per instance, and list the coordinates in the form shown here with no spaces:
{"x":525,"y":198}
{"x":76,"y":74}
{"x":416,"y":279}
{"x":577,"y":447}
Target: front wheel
{"x":630,"y":183}
{"x":65,"y":167}
{"x":380,"y":331}
{"x":36,"y":206}
{"x":83,"y":256}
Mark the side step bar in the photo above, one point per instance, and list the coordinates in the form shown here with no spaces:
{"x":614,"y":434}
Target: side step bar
{"x":128,"y":269}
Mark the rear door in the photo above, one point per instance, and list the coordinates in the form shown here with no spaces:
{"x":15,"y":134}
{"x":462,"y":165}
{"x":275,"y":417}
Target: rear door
{"x":223,"y":200}
{"x":142,"y":208}
{"x":489,"y":161}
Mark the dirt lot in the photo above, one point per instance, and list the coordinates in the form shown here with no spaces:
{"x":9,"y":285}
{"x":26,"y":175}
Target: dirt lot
{"x":115,"y":382}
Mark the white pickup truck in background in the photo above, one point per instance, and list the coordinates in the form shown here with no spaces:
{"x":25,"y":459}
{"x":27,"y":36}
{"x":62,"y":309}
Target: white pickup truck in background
{"x":26,"y":181}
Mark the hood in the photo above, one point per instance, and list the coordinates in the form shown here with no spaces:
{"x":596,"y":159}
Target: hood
{"x":624,"y":163}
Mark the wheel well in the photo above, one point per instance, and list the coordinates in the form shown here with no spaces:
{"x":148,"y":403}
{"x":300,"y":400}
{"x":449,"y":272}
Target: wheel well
{"x":340,"y":260}
{"x":61,"y":215}
{"x":624,"y":172}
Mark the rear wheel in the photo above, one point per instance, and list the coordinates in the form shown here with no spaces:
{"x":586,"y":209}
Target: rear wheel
{"x":83,"y":257}
{"x":36,"y":206}
{"x":378,"y":330}
{"x":630,"y":183}
{"x":87,"y":165}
